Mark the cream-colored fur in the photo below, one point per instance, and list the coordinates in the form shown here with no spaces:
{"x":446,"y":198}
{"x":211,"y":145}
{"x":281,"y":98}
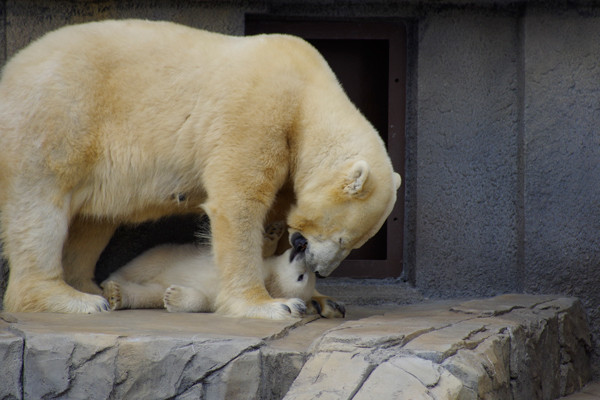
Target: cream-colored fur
{"x":185,"y":278}
{"x":125,"y":121}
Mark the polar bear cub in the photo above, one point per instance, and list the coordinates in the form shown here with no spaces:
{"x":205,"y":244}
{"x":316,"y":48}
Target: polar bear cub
{"x":185,"y":278}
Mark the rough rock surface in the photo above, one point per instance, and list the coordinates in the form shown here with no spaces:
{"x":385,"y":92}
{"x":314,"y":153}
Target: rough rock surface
{"x":512,"y":346}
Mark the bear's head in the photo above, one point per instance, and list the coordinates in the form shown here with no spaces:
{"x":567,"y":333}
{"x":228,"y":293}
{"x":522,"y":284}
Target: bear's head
{"x":340,"y":213}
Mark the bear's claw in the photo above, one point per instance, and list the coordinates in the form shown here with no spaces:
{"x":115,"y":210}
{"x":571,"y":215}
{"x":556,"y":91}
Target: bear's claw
{"x":104,"y":307}
{"x":300,"y":308}
{"x":286,"y":308}
{"x":339,"y":307}
{"x":326,"y":307}
{"x":316,"y":306}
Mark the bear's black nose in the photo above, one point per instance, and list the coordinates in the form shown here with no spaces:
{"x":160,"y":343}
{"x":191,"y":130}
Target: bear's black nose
{"x":299,"y":245}
{"x":299,"y":242}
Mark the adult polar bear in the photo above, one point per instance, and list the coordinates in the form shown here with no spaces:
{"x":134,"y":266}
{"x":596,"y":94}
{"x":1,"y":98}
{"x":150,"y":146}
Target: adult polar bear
{"x":125,"y":121}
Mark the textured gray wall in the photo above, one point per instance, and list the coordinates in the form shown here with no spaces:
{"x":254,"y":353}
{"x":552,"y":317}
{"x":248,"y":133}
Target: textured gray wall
{"x":29,"y":19}
{"x":466,"y":236}
{"x":562,"y":155}
{"x":503,"y":170}
{"x":508,"y":149}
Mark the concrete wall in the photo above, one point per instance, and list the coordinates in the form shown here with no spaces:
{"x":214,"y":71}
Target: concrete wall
{"x":503,"y":140}
{"x":508,"y":153}
{"x":467,"y":158}
{"x":561,"y":147}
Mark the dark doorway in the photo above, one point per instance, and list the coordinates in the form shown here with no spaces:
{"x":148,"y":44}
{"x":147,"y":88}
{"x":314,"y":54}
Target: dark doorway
{"x":369,"y":59}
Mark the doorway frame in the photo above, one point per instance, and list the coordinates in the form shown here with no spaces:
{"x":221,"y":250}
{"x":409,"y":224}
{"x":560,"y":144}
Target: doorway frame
{"x":395,"y":33}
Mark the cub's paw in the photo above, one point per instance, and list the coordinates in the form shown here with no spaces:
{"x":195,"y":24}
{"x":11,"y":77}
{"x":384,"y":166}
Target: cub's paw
{"x":185,"y":299}
{"x":274,"y":231}
{"x":273,"y":309}
{"x":112,"y":293}
{"x":271,"y":236}
{"x":326,"y":307}
{"x":173,"y":298}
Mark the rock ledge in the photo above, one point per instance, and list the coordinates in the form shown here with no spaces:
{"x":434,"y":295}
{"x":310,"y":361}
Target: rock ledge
{"x":506,"y":347}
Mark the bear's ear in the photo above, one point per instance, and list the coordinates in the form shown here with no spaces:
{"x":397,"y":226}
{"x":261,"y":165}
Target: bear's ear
{"x":356,"y":178}
{"x":397,"y":180}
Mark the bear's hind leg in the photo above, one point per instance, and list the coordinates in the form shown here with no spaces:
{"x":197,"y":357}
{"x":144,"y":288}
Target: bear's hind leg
{"x":86,"y":240}
{"x":34,"y":231}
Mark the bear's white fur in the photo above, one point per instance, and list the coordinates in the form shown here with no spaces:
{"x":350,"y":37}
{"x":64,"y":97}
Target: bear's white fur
{"x":124,"y":121}
{"x":185,"y":278}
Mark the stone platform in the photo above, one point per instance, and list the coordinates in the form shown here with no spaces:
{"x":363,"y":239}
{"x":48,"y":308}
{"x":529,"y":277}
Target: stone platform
{"x":507,"y":347}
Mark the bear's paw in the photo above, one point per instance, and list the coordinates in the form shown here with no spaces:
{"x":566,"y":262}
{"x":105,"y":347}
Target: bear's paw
{"x":326,"y":307}
{"x":51,"y":296}
{"x":85,"y":304}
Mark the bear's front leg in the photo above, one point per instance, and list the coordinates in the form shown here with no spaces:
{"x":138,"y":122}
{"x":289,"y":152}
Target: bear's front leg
{"x":35,"y":224}
{"x":247,"y":170}
{"x":237,"y":243}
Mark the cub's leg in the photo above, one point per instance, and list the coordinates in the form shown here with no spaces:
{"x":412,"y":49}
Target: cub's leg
{"x":35,"y":221}
{"x":186,"y":299}
{"x":86,"y":240}
{"x":125,"y":294}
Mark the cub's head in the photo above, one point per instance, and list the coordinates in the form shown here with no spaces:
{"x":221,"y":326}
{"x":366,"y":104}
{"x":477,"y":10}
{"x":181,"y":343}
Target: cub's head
{"x":289,"y":276}
{"x":341,"y":212}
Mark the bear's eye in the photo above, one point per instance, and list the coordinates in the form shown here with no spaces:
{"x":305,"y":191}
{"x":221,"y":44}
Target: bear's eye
{"x":300,"y":278}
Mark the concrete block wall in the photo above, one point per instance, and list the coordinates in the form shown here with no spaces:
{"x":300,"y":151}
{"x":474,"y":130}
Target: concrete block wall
{"x":503,"y":170}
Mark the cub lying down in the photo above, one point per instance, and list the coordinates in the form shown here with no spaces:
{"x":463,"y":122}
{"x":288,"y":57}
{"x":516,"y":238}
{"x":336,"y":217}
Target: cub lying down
{"x":185,"y":278}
